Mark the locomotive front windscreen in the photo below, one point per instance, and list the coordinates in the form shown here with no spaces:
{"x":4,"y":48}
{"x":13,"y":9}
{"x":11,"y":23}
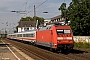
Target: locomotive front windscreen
{"x":63,"y":31}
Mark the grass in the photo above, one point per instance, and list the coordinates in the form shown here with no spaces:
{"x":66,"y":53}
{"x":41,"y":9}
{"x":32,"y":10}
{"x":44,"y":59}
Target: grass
{"x":83,"y":45}
{"x":1,"y":38}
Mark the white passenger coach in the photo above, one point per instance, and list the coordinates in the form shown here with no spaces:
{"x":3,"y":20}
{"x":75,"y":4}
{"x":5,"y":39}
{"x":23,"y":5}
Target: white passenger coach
{"x":29,"y":36}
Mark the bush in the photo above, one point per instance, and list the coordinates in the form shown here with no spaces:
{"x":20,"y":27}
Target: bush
{"x":82,"y":45}
{"x":1,"y":38}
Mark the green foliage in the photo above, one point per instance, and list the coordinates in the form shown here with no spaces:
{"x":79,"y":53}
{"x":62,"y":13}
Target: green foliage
{"x":26,"y":19}
{"x":16,"y":29}
{"x":63,"y":9}
{"x":40,"y":19}
{"x":78,"y":13}
{"x":1,"y":38}
{"x":82,"y":45}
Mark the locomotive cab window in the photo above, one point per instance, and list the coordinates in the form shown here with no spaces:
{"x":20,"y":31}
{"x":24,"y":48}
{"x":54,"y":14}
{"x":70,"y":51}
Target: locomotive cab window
{"x":63,"y":31}
{"x":67,"y":31}
{"x":60,"y":32}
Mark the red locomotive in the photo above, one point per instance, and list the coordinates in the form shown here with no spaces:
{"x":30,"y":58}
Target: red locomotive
{"x":56,"y":37}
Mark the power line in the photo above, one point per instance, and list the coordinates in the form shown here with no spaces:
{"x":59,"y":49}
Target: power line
{"x":26,"y":4}
{"x":41,"y":4}
{"x":37,"y":6}
{"x":22,"y":12}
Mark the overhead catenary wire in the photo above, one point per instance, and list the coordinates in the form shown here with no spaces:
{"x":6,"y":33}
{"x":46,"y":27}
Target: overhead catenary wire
{"x":41,"y":4}
{"x":22,"y":11}
{"x":36,"y":7}
{"x":25,"y":4}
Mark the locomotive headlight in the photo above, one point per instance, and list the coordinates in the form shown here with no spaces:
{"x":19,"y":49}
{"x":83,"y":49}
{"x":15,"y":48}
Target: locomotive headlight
{"x":60,"y":38}
{"x":69,"y":38}
{"x":55,"y":45}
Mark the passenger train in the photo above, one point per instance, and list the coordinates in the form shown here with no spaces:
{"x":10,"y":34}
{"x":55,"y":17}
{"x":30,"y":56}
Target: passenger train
{"x":57,"y":37}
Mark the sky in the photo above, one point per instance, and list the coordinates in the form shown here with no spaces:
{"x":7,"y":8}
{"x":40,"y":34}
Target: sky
{"x":9,"y":20}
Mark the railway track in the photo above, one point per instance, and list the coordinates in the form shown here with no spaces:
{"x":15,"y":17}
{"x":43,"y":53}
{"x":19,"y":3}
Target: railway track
{"x":79,"y":55}
{"x":38,"y":53}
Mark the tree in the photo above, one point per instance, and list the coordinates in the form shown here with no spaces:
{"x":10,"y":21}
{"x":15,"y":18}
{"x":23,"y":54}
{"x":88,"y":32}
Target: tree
{"x":15,"y":31}
{"x":64,"y":11}
{"x":78,"y":13}
{"x":40,"y":19}
{"x":26,"y":19}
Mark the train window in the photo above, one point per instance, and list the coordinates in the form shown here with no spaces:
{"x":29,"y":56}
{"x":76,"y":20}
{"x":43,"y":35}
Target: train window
{"x":63,"y":31}
{"x":45,"y":28}
{"x":60,"y":32}
{"x":48,"y":28}
{"x":32,"y":35}
{"x":19,"y":35}
{"x":28,"y":35}
{"x":24,"y":35}
{"x":66,"y":31}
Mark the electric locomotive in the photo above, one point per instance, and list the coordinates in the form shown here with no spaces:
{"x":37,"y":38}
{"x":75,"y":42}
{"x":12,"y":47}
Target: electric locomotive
{"x":57,"y":37}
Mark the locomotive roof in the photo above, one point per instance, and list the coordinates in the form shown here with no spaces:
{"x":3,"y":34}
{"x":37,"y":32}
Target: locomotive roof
{"x":49,"y":26}
{"x":45,"y":28}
